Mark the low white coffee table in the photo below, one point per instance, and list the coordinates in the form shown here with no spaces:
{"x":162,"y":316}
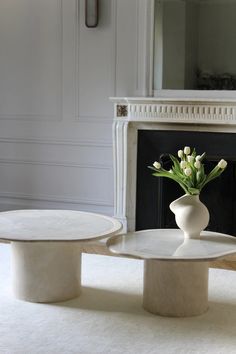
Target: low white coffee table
{"x":175,"y":269}
{"x":45,"y":246}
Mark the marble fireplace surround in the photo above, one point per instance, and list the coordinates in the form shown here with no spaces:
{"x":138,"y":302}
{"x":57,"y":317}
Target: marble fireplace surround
{"x":164,"y":113}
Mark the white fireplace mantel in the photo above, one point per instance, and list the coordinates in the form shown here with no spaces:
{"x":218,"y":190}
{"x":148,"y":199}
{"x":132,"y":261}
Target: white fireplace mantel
{"x":163,"y":113}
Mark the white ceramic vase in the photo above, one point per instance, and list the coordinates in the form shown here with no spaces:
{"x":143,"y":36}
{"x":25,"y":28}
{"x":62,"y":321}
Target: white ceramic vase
{"x":191,"y":215}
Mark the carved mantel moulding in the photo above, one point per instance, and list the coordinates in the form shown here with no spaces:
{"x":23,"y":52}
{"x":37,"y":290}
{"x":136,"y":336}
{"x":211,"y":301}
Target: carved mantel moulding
{"x":187,"y":111}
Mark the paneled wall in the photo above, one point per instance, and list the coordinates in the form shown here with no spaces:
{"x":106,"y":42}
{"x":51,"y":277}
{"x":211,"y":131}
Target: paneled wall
{"x":56,"y":77}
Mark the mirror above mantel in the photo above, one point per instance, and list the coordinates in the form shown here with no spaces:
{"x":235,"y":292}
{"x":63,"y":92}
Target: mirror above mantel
{"x":194,"y":46}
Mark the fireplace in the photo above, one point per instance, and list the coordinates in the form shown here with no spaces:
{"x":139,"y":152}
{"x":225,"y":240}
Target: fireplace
{"x":144,"y":129}
{"x":154,"y":195}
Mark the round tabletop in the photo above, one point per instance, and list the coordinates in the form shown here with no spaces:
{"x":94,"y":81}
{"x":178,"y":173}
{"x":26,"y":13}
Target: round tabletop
{"x":55,"y":225}
{"x":169,"y":244}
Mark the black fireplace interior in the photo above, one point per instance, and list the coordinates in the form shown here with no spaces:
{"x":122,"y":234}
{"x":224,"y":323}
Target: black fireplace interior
{"x":154,"y":194}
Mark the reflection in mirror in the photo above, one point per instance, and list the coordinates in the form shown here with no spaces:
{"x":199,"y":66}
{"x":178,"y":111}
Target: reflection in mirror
{"x":195,"y":45}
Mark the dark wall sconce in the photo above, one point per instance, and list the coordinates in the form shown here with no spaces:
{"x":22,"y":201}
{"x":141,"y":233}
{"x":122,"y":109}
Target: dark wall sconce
{"x":91,"y":13}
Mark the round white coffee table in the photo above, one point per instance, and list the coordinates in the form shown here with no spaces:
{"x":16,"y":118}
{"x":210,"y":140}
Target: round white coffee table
{"x":175,"y":269}
{"x":46,"y":256}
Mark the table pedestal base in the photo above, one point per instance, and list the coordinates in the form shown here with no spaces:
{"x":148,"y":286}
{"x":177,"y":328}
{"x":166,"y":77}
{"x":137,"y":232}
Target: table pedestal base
{"x":46,"y":271}
{"x":175,"y":288}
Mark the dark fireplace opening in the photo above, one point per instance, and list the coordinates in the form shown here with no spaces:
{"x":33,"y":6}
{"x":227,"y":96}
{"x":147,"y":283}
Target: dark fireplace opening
{"x":154,"y":194}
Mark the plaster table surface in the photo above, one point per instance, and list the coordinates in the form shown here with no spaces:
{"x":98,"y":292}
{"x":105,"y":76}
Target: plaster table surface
{"x":46,"y":256}
{"x":175,"y":268}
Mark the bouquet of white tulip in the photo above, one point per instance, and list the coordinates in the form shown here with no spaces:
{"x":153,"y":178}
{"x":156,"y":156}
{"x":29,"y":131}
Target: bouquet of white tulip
{"x":188,"y":170}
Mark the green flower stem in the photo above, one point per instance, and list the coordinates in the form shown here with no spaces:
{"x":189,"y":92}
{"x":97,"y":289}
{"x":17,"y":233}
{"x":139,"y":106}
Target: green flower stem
{"x":172,"y":176}
{"x":191,"y":181}
{"x":216,"y":172}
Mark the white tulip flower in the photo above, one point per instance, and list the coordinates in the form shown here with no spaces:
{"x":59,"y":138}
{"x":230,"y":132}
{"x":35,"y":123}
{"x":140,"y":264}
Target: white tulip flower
{"x":188,"y":171}
{"x":183,"y":164}
{"x":200,"y":157}
{"x":222,"y":164}
{"x":187,"y":150}
{"x":180,"y":153}
{"x":197,"y":164}
{"x":157,"y":165}
{"x":190,"y":158}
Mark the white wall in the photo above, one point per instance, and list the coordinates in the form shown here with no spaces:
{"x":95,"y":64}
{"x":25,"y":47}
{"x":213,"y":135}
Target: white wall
{"x":56,"y":76}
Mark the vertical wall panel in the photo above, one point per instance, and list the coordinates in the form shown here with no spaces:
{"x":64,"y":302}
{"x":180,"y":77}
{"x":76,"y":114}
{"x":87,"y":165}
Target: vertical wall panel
{"x":97,"y":52}
{"x":30,"y":59}
{"x":56,"y":77}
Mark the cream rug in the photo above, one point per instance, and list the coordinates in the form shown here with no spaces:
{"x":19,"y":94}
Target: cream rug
{"x":108,"y":317}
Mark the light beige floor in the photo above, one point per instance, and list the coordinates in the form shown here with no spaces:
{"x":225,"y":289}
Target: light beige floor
{"x":108,"y":317}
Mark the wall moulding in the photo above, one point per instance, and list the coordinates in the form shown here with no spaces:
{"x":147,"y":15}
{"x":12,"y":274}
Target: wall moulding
{"x":32,"y":117}
{"x":49,"y":198}
{"x":55,"y":163}
{"x":87,"y":143}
